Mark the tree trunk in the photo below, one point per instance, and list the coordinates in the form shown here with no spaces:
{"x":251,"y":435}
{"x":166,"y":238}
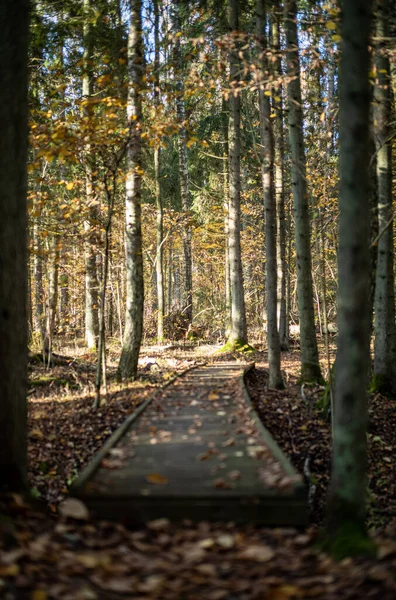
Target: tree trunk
{"x":267,"y":167}
{"x":183,"y":165}
{"x":13,"y":251}
{"x":90,"y":223}
{"x":52,"y":297}
{"x":127,"y":368}
{"x":158,"y":192}
{"x":347,"y":500}
{"x":384,"y":300}
{"x":310,"y":369}
{"x":238,"y":334}
{"x":283,"y":317}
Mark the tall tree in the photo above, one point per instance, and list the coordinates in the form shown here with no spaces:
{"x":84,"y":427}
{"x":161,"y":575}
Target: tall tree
{"x":267,"y":167}
{"x":279,"y":177}
{"x":346,"y":507}
{"x":238,"y":334}
{"x":13,"y":254}
{"x":127,"y":367}
{"x":310,"y":369}
{"x":183,"y":160}
{"x":159,"y":264}
{"x":90,"y":223}
{"x":384,"y":301}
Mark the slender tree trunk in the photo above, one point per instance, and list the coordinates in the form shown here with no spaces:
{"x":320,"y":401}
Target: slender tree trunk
{"x":158,"y":191}
{"x":39,"y":313}
{"x":127,"y":368}
{"x":346,"y":507}
{"x":238,"y":334}
{"x":384,"y":301}
{"x":183,"y":165}
{"x":226,"y":187}
{"x":283,"y":317}
{"x":13,"y":247}
{"x":267,"y":166}
{"x":90,"y":223}
{"x":310,"y":369}
{"x":52,"y":299}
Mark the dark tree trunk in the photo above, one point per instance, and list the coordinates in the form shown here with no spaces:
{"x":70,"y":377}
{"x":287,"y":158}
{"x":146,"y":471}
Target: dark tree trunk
{"x":347,"y":500}
{"x":13,"y":252}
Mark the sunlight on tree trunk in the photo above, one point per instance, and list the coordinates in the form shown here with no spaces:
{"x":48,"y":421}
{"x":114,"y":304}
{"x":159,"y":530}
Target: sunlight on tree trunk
{"x":267,"y":167}
{"x":310,"y":369}
{"x":127,"y":368}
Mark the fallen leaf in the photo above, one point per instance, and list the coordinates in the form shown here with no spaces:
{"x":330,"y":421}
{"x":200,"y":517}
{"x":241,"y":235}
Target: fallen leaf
{"x":39,"y":595}
{"x":157,"y":479}
{"x":9,"y":570}
{"x":226,"y":540}
{"x":158,"y":524}
{"x":213,"y":396}
{"x":36,"y":434}
{"x":257,"y":552}
{"x":285,"y":592}
{"x":74,"y":508}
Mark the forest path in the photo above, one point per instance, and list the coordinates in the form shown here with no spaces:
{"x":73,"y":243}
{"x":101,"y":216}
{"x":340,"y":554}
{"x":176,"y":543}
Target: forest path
{"x":196,"y":450}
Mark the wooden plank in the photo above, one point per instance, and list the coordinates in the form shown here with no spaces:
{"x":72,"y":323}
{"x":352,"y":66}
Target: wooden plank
{"x":97,"y":459}
{"x":195,"y":438}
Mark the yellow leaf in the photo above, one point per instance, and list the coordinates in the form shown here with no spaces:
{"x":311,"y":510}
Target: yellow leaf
{"x":39,"y":595}
{"x":213,"y":396}
{"x":336,"y":38}
{"x":69,"y":185}
{"x":178,"y":34}
{"x":157,"y":479}
{"x":267,"y":93}
{"x":286,"y":592}
{"x":277,"y":98}
{"x":9,"y":570}
{"x":331,"y":26}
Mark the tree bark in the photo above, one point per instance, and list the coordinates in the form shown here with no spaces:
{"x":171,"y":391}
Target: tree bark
{"x":183,"y":165}
{"x":127,"y":368}
{"x":13,"y":250}
{"x":310,"y":369}
{"x":158,"y":191}
{"x":346,"y":506}
{"x":90,"y":223}
{"x":267,"y":168}
{"x":238,"y":334}
{"x":283,"y":317}
{"x":384,"y":300}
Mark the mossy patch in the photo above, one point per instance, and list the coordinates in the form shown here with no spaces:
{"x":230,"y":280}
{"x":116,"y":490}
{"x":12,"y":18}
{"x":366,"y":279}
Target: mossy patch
{"x":236,"y":346}
{"x":348,"y":540}
{"x":379,"y":384}
{"x":311,"y":373}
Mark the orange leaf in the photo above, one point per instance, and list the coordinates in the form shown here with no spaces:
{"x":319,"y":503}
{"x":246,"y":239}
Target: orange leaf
{"x":157,"y":479}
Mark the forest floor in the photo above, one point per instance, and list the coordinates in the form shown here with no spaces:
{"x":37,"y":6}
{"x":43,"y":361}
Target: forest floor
{"x":47,"y":551}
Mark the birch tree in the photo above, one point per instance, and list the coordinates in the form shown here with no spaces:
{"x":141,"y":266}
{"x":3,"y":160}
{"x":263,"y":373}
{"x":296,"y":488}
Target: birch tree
{"x":267,"y":168}
{"x":91,"y":276}
{"x":127,"y":367}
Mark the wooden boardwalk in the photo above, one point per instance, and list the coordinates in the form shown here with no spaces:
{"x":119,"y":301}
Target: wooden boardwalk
{"x":197,"y":451}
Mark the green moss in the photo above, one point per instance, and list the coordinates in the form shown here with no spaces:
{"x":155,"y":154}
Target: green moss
{"x":236,"y":346}
{"x":349,"y":539}
{"x":310,"y":373}
{"x":378,"y":384}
